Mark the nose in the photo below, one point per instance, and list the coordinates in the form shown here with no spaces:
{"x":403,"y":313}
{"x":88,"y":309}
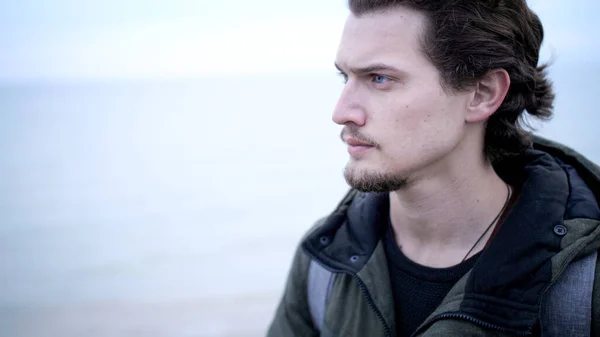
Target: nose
{"x":349,"y":108}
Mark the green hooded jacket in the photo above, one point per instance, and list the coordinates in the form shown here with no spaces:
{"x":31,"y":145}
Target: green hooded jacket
{"x":500,"y":296}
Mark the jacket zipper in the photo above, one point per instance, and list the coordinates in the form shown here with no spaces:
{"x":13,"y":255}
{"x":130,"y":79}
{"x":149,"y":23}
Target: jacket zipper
{"x":472,"y":320}
{"x":364,"y":290}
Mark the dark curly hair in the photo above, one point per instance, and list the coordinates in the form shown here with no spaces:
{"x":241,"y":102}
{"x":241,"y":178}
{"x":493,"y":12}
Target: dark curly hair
{"x":465,"y":39}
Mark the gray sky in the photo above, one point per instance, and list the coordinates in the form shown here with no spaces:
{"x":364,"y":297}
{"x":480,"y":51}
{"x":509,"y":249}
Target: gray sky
{"x":70,"y":39}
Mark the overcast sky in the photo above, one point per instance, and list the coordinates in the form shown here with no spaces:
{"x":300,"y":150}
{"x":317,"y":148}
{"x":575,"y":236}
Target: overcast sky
{"x":71,"y":39}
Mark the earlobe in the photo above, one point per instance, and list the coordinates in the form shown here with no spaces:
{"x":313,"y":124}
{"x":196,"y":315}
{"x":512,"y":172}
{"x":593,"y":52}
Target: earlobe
{"x":488,"y":95}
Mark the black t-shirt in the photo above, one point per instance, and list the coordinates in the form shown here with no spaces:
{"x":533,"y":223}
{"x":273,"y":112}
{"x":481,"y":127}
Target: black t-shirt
{"x":418,"y":290}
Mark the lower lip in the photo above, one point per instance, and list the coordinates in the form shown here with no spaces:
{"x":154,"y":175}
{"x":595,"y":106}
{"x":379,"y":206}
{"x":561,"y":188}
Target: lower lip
{"x":358,"y":150}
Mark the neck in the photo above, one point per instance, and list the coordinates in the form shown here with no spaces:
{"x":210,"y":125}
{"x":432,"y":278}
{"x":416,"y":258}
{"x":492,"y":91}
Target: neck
{"x":438,"y":219}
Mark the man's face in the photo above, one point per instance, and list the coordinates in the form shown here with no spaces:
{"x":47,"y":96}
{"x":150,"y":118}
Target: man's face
{"x":398,"y":121}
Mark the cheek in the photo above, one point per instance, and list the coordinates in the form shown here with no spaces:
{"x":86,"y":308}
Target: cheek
{"x":434,"y":113}
{"x":422,"y":126}
{"x":418,"y":118}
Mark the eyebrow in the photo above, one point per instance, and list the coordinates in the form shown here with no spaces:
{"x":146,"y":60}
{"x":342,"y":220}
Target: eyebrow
{"x":376,"y":67}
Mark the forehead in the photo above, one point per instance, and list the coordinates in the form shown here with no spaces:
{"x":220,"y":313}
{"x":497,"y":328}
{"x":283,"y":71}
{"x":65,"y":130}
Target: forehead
{"x":392,"y":36}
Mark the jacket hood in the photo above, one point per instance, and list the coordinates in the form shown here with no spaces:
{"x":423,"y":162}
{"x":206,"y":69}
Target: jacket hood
{"x":555,"y":220}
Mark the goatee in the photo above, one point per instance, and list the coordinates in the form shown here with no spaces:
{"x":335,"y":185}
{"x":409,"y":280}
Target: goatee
{"x":366,"y":181}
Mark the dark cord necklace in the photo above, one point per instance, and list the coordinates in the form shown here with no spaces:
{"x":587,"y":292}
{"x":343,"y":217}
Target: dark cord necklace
{"x":492,"y":224}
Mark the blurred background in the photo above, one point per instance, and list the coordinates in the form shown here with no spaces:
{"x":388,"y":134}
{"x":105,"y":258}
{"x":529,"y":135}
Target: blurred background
{"x":159,"y":160}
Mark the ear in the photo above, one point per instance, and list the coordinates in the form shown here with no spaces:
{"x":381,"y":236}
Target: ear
{"x":488,"y":95}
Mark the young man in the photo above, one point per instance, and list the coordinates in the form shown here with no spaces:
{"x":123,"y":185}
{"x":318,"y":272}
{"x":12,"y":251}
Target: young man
{"x":459,"y":222}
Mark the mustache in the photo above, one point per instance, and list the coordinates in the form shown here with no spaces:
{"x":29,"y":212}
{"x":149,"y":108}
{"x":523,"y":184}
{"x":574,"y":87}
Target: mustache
{"x":352,"y":131}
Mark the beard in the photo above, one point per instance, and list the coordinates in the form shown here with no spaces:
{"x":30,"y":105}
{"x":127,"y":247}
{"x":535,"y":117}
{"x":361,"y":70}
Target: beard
{"x":368,"y":181}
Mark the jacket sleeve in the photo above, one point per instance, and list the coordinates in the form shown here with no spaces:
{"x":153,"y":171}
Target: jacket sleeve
{"x":596,"y":300}
{"x":292,"y":317}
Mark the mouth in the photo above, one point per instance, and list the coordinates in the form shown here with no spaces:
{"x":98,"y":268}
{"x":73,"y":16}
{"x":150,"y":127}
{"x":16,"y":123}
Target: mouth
{"x":357,"y":148}
{"x":355,"y":142}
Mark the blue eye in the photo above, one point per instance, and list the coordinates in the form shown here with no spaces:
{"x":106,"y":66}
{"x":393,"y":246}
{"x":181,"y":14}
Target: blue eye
{"x":344,"y":77}
{"x":380,"y":79}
